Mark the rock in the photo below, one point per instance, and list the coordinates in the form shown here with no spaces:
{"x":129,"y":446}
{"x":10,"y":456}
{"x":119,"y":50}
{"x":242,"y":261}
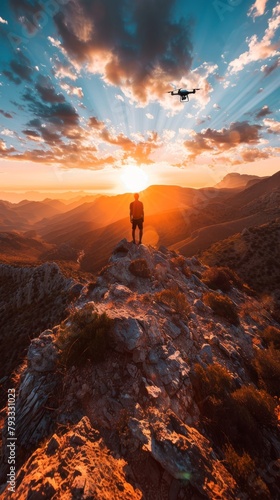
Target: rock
{"x":42,"y":354}
{"x":206,"y":353}
{"x":128,"y":334}
{"x":53,"y":445}
{"x":179,"y":448}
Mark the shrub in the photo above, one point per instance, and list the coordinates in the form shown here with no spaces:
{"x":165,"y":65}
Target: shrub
{"x":139,"y":267}
{"x":243,"y":469}
{"x":271,"y":337}
{"x":267,"y":366}
{"x":86,"y":337}
{"x":220,"y":278}
{"x":223,"y":306}
{"x":214,"y":380}
{"x":216,"y":278}
{"x":174,"y":299}
{"x":234,"y":415}
{"x":259,"y":403}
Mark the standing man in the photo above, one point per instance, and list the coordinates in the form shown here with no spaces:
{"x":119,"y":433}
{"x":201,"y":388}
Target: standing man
{"x":136,"y":209}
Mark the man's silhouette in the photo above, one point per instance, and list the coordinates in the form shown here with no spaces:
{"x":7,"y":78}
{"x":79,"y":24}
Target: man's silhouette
{"x":136,"y":209}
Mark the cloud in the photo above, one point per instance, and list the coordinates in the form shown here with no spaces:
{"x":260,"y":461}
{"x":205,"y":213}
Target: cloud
{"x":3,"y":21}
{"x":254,"y":154}
{"x":28,"y":13}
{"x":71,"y":90}
{"x":267,"y":69}
{"x":64,"y":71}
{"x":4,"y":113}
{"x":32,"y":134}
{"x":264,"y":111}
{"x":258,"y":8}
{"x":273,"y":126}
{"x":259,"y":50}
{"x":149,"y":116}
{"x":19,"y":69}
{"x":4,"y":151}
{"x":47,"y":91}
{"x":135,"y":46}
{"x":7,"y":132}
{"x":219,"y":141}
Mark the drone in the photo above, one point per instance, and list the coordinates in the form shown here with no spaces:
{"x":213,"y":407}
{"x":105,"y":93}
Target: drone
{"x":184,"y":94}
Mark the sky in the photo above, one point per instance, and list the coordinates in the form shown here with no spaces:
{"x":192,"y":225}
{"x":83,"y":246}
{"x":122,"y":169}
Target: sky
{"x":84,"y":100}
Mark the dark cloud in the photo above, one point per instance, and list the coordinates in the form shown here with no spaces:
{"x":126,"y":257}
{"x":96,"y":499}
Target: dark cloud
{"x":28,"y":13}
{"x":19,"y":69}
{"x":11,"y":77}
{"x":269,"y":69}
{"x":31,"y":133}
{"x":61,"y":114}
{"x":264,"y":111}
{"x":53,"y":121}
{"x":219,"y":141}
{"x":4,"y":113}
{"x":47,"y":91}
{"x":132,"y":44}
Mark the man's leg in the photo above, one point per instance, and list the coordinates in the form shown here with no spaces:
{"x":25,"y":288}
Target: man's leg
{"x":140,"y":236}
{"x":133,"y":234}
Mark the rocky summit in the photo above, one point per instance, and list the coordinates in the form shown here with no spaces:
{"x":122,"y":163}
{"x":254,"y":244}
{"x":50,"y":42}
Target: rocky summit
{"x":154,"y":387}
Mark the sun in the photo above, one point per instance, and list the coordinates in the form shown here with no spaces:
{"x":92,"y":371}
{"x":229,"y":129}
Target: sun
{"x":134,"y":179}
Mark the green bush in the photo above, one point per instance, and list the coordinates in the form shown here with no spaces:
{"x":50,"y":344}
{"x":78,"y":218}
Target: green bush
{"x":174,"y":299}
{"x":223,"y":306}
{"x":220,"y":278}
{"x":85,"y":335}
{"x":267,"y":366}
{"x":139,"y":267}
{"x":271,"y":337}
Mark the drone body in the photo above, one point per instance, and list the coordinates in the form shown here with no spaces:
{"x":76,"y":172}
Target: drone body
{"x":183,"y":93}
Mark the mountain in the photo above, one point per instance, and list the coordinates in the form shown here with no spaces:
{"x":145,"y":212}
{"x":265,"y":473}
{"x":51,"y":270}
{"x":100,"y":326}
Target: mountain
{"x":265,"y":188}
{"x":235,"y":180}
{"x":21,"y":249}
{"x":253,"y":206}
{"x":254,"y":254}
{"x":154,"y":386}
{"x":106,"y":210}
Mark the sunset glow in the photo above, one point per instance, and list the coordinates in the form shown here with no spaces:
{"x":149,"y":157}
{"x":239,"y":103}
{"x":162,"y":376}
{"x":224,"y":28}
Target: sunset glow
{"x":84,"y":93}
{"x":134,"y":179}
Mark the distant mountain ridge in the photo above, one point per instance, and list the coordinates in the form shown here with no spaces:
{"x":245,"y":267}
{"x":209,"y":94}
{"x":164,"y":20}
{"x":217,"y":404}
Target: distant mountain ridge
{"x":236,"y":180}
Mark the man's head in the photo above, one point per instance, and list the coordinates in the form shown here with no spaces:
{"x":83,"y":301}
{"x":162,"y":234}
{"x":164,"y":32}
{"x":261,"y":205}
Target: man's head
{"x":136,"y":196}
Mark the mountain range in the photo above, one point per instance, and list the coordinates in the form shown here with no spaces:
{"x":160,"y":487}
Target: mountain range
{"x":185,"y":219}
{"x":143,"y":371}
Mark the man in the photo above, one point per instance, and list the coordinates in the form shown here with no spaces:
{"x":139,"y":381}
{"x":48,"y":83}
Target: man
{"x":136,"y":208}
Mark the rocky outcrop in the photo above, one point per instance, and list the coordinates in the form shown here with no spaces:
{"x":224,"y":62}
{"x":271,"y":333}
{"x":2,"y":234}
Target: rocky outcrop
{"x":76,"y":465}
{"x":37,"y":399}
{"x":141,"y":434}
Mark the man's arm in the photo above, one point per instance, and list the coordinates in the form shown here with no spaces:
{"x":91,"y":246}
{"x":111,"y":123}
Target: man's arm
{"x":131,"y":211}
